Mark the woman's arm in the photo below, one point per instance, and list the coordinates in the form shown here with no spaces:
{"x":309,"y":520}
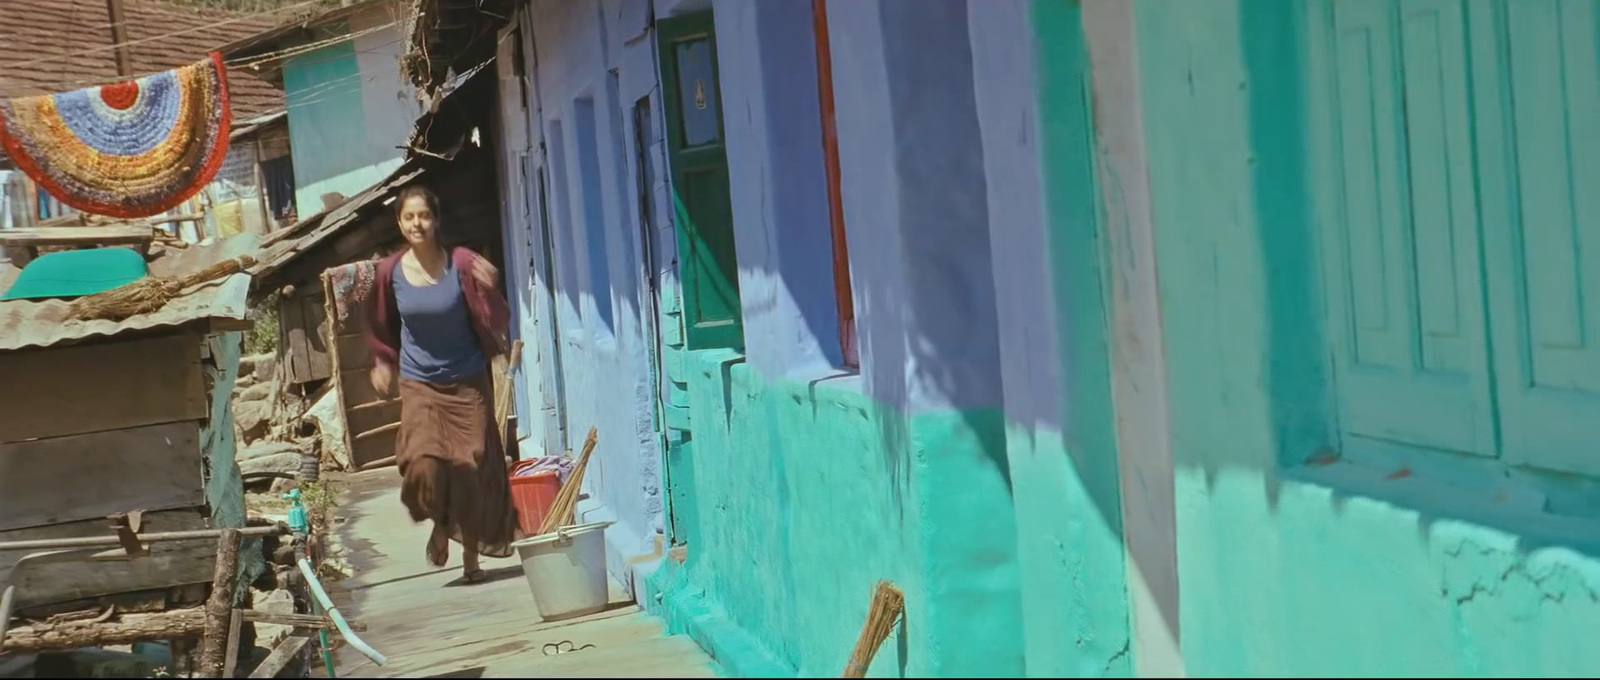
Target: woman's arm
{"x":380,"y":333}
{"x":490,"y":312}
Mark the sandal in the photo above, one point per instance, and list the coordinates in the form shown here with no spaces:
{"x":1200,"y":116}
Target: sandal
{"x":475,"y":576}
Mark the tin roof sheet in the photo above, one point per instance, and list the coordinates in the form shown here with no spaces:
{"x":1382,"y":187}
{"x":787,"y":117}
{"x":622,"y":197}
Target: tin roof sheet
{"x":36,"y":324}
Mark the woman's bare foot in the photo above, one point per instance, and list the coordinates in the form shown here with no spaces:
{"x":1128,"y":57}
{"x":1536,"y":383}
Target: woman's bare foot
{"x":470,"y":572}
{"x":438,"y":547}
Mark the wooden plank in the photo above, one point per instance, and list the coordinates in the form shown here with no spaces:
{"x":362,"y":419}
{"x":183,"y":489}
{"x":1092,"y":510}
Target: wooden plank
{"x":375,"y":464}
{"x":169,"y":565}
{"x":63,"y":479}
{"x":371,"y":416}
{"x":291,"y":323}
{"x":78,"y":236}
{"x":353,"y":350}
{"x":230,"y":664}
{"x":299,"y":620}
{"x":357,"y":386}
{"x":386,"y":430}
{"x":316,"y":317}
{"x":282,"y":655}
{"x":302,"y":318}
{"x":94,"y":388}
{"x":380,"y":445}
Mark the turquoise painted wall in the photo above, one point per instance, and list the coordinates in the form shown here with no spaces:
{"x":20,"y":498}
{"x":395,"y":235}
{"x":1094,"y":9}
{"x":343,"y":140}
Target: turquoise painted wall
{"x":337,"y":146}
{"x":1289,"y":569}
{"x":1064,"y":464}
{"x":806,"y":496}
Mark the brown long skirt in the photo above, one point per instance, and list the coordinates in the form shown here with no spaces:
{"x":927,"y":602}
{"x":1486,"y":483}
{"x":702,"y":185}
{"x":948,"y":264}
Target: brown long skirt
{"x":451,"y":462}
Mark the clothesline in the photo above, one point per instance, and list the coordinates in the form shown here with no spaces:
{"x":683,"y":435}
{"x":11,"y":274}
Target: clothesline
{"x":250,"y":62}
{"x":141,"y":41}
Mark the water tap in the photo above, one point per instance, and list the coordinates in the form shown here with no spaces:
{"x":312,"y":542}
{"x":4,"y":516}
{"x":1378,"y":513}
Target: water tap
{"x":298,"y":525}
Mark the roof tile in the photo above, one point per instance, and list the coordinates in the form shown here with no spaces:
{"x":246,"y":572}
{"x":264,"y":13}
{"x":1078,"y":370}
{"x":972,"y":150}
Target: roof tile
{"x":57,"y":30}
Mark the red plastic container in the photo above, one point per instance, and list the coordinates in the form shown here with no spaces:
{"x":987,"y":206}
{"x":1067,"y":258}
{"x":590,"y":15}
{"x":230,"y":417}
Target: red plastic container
{"x":532,"y":495}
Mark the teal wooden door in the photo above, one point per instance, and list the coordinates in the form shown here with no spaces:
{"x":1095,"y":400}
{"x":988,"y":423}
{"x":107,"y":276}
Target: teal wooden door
{"x":1444,"y":120}
{"x":1404,"y":286}
{"x":703,"y":212}
{"x":1540,"y":120}
{"x":703,"y":310}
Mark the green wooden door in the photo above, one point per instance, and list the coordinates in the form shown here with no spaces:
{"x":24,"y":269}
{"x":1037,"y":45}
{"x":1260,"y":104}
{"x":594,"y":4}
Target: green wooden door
{"x":1457,"y":143}
{"x":707,"y":268}
{"x":1400,"y":235}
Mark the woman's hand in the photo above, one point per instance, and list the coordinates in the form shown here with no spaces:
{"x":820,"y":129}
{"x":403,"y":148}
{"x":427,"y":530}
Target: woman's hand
{"x":485,"y":272}
{"x":382,"y":377}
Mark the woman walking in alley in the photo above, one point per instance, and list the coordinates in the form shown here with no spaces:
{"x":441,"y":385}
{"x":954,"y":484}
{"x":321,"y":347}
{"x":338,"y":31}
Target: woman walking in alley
{"x":436,"y":317}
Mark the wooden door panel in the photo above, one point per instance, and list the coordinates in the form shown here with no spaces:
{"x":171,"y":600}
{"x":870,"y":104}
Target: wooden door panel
{"x":1544,"y":229}
{"x":1401,"y":244}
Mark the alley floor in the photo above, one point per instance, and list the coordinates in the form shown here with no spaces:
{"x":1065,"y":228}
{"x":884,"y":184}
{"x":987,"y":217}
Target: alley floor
{"x":430,"y":625}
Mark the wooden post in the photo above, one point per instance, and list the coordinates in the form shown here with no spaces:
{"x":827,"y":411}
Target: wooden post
{"x":182,"y":656}
{"x":220,"y":607}
{"x":119,"y":36}
{"x":267,"y":224}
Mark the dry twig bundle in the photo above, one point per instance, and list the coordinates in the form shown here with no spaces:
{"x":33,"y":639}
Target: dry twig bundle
{"x":887,"y":605}
{"x":150,"y":293}
{"x":561,"y":509}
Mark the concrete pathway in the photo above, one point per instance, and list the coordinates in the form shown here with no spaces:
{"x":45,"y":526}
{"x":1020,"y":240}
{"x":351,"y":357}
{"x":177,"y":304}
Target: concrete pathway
{"x":430,"y":625}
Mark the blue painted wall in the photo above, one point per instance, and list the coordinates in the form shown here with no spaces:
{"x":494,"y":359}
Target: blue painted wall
{"x":584,"y":114}
{"x":1088,"y":258}
{"x":831,"y":480}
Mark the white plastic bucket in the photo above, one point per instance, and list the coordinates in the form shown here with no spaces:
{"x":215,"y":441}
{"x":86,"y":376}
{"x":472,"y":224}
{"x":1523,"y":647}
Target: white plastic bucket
{"x":566,"y":570}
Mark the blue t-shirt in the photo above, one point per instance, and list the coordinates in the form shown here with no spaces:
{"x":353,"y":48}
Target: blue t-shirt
{"x":437,"y":341}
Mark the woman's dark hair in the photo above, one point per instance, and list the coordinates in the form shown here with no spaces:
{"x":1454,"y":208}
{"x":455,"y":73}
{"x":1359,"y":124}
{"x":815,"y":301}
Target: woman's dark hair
{"x":416,"y":191}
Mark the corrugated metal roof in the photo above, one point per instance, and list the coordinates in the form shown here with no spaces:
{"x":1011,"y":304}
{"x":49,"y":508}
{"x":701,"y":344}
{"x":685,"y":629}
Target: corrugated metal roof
{"x":34,"y":324}
{"x":292,"y":33}
{"x":274,"y":255}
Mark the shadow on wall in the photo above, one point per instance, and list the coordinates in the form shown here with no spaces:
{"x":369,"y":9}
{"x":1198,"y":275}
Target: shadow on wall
{"x":941,"y":283}
{"x":1253,"y":420}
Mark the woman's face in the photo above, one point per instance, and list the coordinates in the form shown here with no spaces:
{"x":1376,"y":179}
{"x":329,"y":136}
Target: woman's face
{"x":418,"y":225}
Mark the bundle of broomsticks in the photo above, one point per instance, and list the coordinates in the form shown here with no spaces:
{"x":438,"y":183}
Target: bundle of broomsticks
{"x":566,"y":502}
{"x":151,"y":293}
{"x":887,"y":605}
{"x":503,"y":387}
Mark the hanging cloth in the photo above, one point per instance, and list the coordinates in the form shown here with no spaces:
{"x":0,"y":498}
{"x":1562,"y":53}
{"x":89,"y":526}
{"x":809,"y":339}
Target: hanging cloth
{"x":351,"y":285}
{"x":131,"y":149}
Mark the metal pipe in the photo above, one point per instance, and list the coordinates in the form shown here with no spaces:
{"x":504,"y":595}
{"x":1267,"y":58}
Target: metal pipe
{"x":113,"y":541}
{"x":6,"y":600}
{"x":322,"y":636}
{"x":333,"y":613}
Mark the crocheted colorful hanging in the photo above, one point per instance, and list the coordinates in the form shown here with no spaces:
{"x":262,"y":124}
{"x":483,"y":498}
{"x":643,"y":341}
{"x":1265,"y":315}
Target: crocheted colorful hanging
{"x":131,"y":149}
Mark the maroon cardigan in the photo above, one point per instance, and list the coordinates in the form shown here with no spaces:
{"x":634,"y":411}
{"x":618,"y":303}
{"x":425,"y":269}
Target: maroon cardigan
{"x":491,"y":318}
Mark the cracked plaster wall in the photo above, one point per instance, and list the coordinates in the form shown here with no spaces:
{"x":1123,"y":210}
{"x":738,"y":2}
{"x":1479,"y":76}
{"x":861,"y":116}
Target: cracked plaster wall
{"x":1288,"y":572}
